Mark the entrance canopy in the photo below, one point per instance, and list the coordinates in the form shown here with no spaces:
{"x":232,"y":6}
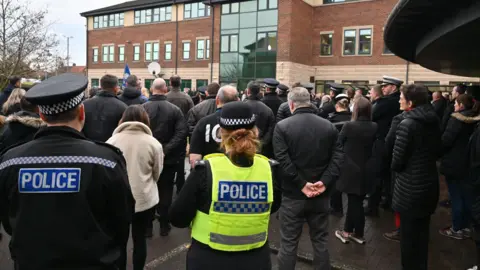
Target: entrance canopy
{"x":440,"y":35}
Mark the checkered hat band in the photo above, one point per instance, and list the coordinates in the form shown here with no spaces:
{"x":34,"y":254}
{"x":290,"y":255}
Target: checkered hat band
{"x":62,"y":106}
{"x":232,"y":122}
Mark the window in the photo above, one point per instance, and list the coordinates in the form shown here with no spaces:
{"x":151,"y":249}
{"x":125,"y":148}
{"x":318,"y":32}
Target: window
{"x":111,"y":20}
{"x":196,"y":10}
{"x":349,"y":39}
{"x":186,"y":85}
{"x":121,"y":53}
{"x":168,"y":51}
{"x":323,"y":86}
{"x":201,"y":83}
{"x":386,"y":50}
{"x":357,"y":41}
{"x":108,"y":55}
{"x":151,"y":51}
{"x":94,"y":83}
{"x":148,"y":51}
{"x":229,"y":43}
{"x":186,"y":50}
{"x":161,"y":14}
{"x":95,"y":55}
{"x":203,"y":48}
{"x":267,"y":4}
{"x":326,"y":41}
{"x":156,"y":51}
{"x":230,"y":8}
{"x":136,"y":53}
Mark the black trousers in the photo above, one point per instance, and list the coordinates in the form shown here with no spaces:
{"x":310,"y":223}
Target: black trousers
{"x":336,"y":201}
{"x":165,"y":192}
{"x":140,"y":222}
{"x":355,"y":220}
{"x":383,"y":188}
{"x":180,"y":176}
{"x":414,"y":237}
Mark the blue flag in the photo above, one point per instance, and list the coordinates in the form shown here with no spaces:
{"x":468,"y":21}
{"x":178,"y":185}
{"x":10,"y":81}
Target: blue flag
{"x":126,"y":73}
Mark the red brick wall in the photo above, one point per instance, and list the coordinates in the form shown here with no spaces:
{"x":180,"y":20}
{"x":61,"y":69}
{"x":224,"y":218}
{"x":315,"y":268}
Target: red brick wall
{"x":300,"y":36}
{"x":335,"y":17}
{"x":188,"y":30}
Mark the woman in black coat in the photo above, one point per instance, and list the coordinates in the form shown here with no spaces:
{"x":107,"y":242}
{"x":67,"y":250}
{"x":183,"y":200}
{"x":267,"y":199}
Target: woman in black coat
{"x":357,"y":138}
{"x":416,"y":186}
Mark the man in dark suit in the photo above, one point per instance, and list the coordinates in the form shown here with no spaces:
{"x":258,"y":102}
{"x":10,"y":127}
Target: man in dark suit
{"x":439,"y":104}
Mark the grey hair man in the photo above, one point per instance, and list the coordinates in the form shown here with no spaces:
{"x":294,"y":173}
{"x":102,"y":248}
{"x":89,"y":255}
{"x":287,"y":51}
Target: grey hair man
{"x":170,"y":129}
{"x":308,"y":175}
{"x":205,"y":137}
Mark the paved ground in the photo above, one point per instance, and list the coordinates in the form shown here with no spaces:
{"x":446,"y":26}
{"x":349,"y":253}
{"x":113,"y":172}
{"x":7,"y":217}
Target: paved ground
{"x":379,"y":253}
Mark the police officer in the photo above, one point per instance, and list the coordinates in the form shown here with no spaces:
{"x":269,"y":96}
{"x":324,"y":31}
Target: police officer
{"x":206,"y":138}
{"x":271,"y":98}
{"x":328,"y":108}
{"x":65,"y":200}
{"x":282,"y":92}
{"x":229,"y":198}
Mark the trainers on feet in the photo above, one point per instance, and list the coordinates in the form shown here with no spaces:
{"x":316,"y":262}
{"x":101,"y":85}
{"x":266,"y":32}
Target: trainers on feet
{"x":343,"y":236}
{"x":357,"y":239}
{"x":467,"y":233}
{"x":393,"y":236}
{"x":449,"y":232}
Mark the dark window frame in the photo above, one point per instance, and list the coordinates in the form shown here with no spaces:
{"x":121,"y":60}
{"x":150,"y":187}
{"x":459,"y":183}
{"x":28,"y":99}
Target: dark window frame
{"x":120,"y":54}
{"x":189,"y":50}
{"x":167,"y":10}
{"x":95,"y":54}
{"x":229,"y":43}
{"x":354,"y":42}
{"x":109,"y":20}
{"x":322,"y":45}
{"x":268,"y":5}
{"x":189,"y":8}
{"x":364,"y":42}
{"x":168,"y":51}
{"x":136,"y":56}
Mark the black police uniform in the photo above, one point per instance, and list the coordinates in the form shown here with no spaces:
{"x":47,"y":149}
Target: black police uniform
{"x":329,"y":108}
{"x":271,"y":98}
{"x":206,"y":138}
{"x":65,"y":200}
{"x":283,"y":93}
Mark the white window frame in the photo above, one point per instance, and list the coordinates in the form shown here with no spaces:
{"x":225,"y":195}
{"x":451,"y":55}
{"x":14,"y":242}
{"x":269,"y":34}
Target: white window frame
{"x":95,"y":49}
{"x":137,"y":59}
{"x":357,"y":39}
{"x":110,"y":55}
{"x":206,"y":48}
{"x":189,"y":49}
{"x":169,"y":43}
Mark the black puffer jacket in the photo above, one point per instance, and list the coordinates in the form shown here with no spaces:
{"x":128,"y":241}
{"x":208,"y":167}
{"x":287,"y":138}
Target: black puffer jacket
{"x":455,"y":142}
{"x":132,"y":96}
{"x":20,"y":127}
{"x":414,"y":159}
{"x":293,"y":141}
{"x":383,"y":112}
{"x":168,"y":127}
{"x":284,"y":111}
{"x":199,"y":111}
{"x":102,"y":114}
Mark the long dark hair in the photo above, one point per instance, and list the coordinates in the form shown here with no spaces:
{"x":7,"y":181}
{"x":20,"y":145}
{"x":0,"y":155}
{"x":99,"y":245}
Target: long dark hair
{"x":362,"y":108}
{"x":135,"y":113}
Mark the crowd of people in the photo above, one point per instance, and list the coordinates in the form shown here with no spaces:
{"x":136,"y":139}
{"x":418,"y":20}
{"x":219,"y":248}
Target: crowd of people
{"x":269,"y":148}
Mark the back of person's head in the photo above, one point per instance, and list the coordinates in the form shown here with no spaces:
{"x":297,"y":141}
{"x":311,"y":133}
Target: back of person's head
{"x":465,"y":100}
{"x":175,"y":81}
{"x":254,"y":88}
{"x":13,"y":100}
{"x":132,"y":81}
{"x":145,"y":92}
{"x":415,"y":93}
{"x":27,"y":106}
{"x":299,"y":97}
{"x":226,"y":94}
{"x":109,"y":83}
{"x":474,"y":91}
{"x":343,"y":103}
{"x":378,"y":90}
{"x":135,"y":113}
{"x":159,"y":86}
{"x":14,"y":80}
{"x":350,"y":92}
{"x":461,"y":88}
{"x":362,"y":109}
{"x":212,"y":89}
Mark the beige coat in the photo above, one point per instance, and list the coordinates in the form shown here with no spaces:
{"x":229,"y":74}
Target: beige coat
{"x":144,"y":156}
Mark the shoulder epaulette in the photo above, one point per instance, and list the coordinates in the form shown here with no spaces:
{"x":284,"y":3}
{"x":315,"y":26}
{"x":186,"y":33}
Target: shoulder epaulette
{"x":201,"y":163}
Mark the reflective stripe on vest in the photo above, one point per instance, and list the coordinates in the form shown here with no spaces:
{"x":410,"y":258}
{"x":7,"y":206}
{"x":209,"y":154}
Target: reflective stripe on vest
{"x":240,"y":209}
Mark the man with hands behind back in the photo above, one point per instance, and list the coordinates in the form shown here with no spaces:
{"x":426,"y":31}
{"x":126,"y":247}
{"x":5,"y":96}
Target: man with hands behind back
{"x":308,"y":176}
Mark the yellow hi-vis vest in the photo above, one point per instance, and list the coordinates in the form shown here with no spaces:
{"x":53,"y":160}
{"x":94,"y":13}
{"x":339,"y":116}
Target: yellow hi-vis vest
{"x":240,"y":209}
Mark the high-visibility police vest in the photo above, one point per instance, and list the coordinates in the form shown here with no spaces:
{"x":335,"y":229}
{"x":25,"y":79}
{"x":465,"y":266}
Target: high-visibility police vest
{"x":240,"y":209}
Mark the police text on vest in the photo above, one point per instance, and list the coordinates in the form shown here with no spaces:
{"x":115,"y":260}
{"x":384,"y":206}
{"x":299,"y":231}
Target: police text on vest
{"x":236,"y":191}
{"x":49,"y":180}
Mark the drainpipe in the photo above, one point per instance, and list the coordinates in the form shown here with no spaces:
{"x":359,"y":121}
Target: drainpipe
{"x":212,"y":13}
{"x":407,"y":72}
{"x":176,"y":36}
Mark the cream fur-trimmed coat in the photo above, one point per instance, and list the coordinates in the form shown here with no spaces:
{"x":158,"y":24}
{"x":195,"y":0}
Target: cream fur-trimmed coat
{"x":144,"y":156}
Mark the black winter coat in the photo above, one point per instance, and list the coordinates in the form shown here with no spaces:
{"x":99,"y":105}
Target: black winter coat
{"x":415,"y":153}
{"x":20,"y":127}
{"x":168,"y":127}
{"x":132,"y":96}
{"x":383,"y":112}
{"x":293,"y":141}
{"x":449,"y":109}
{"x":439,"y":107}
{"x":272,"y":101}
{"x":455,"y":142}
{"x":102,"y":114}
{"x":283,"y":97}
{"x":265,"y":122}
{"x":199,"y":111}
{"x":326,"y":109}
{"x":358,"y":167}
{"x":284,"y":111}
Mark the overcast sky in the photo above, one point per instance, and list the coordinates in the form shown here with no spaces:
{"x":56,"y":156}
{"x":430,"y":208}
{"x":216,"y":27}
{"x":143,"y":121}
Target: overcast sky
{"x":66,"y":19}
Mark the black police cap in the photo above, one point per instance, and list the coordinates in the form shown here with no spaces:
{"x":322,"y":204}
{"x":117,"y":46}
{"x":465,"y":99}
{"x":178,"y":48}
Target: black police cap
{"x":271,"y":83}
{"x":282,"y":87}
{"x":58,"y":94}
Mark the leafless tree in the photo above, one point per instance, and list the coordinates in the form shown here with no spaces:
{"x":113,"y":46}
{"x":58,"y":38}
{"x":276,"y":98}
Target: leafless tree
{"x":26,"y":42}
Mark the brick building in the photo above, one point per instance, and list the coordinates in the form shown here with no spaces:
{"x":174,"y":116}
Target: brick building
{"x":235,"y":42}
